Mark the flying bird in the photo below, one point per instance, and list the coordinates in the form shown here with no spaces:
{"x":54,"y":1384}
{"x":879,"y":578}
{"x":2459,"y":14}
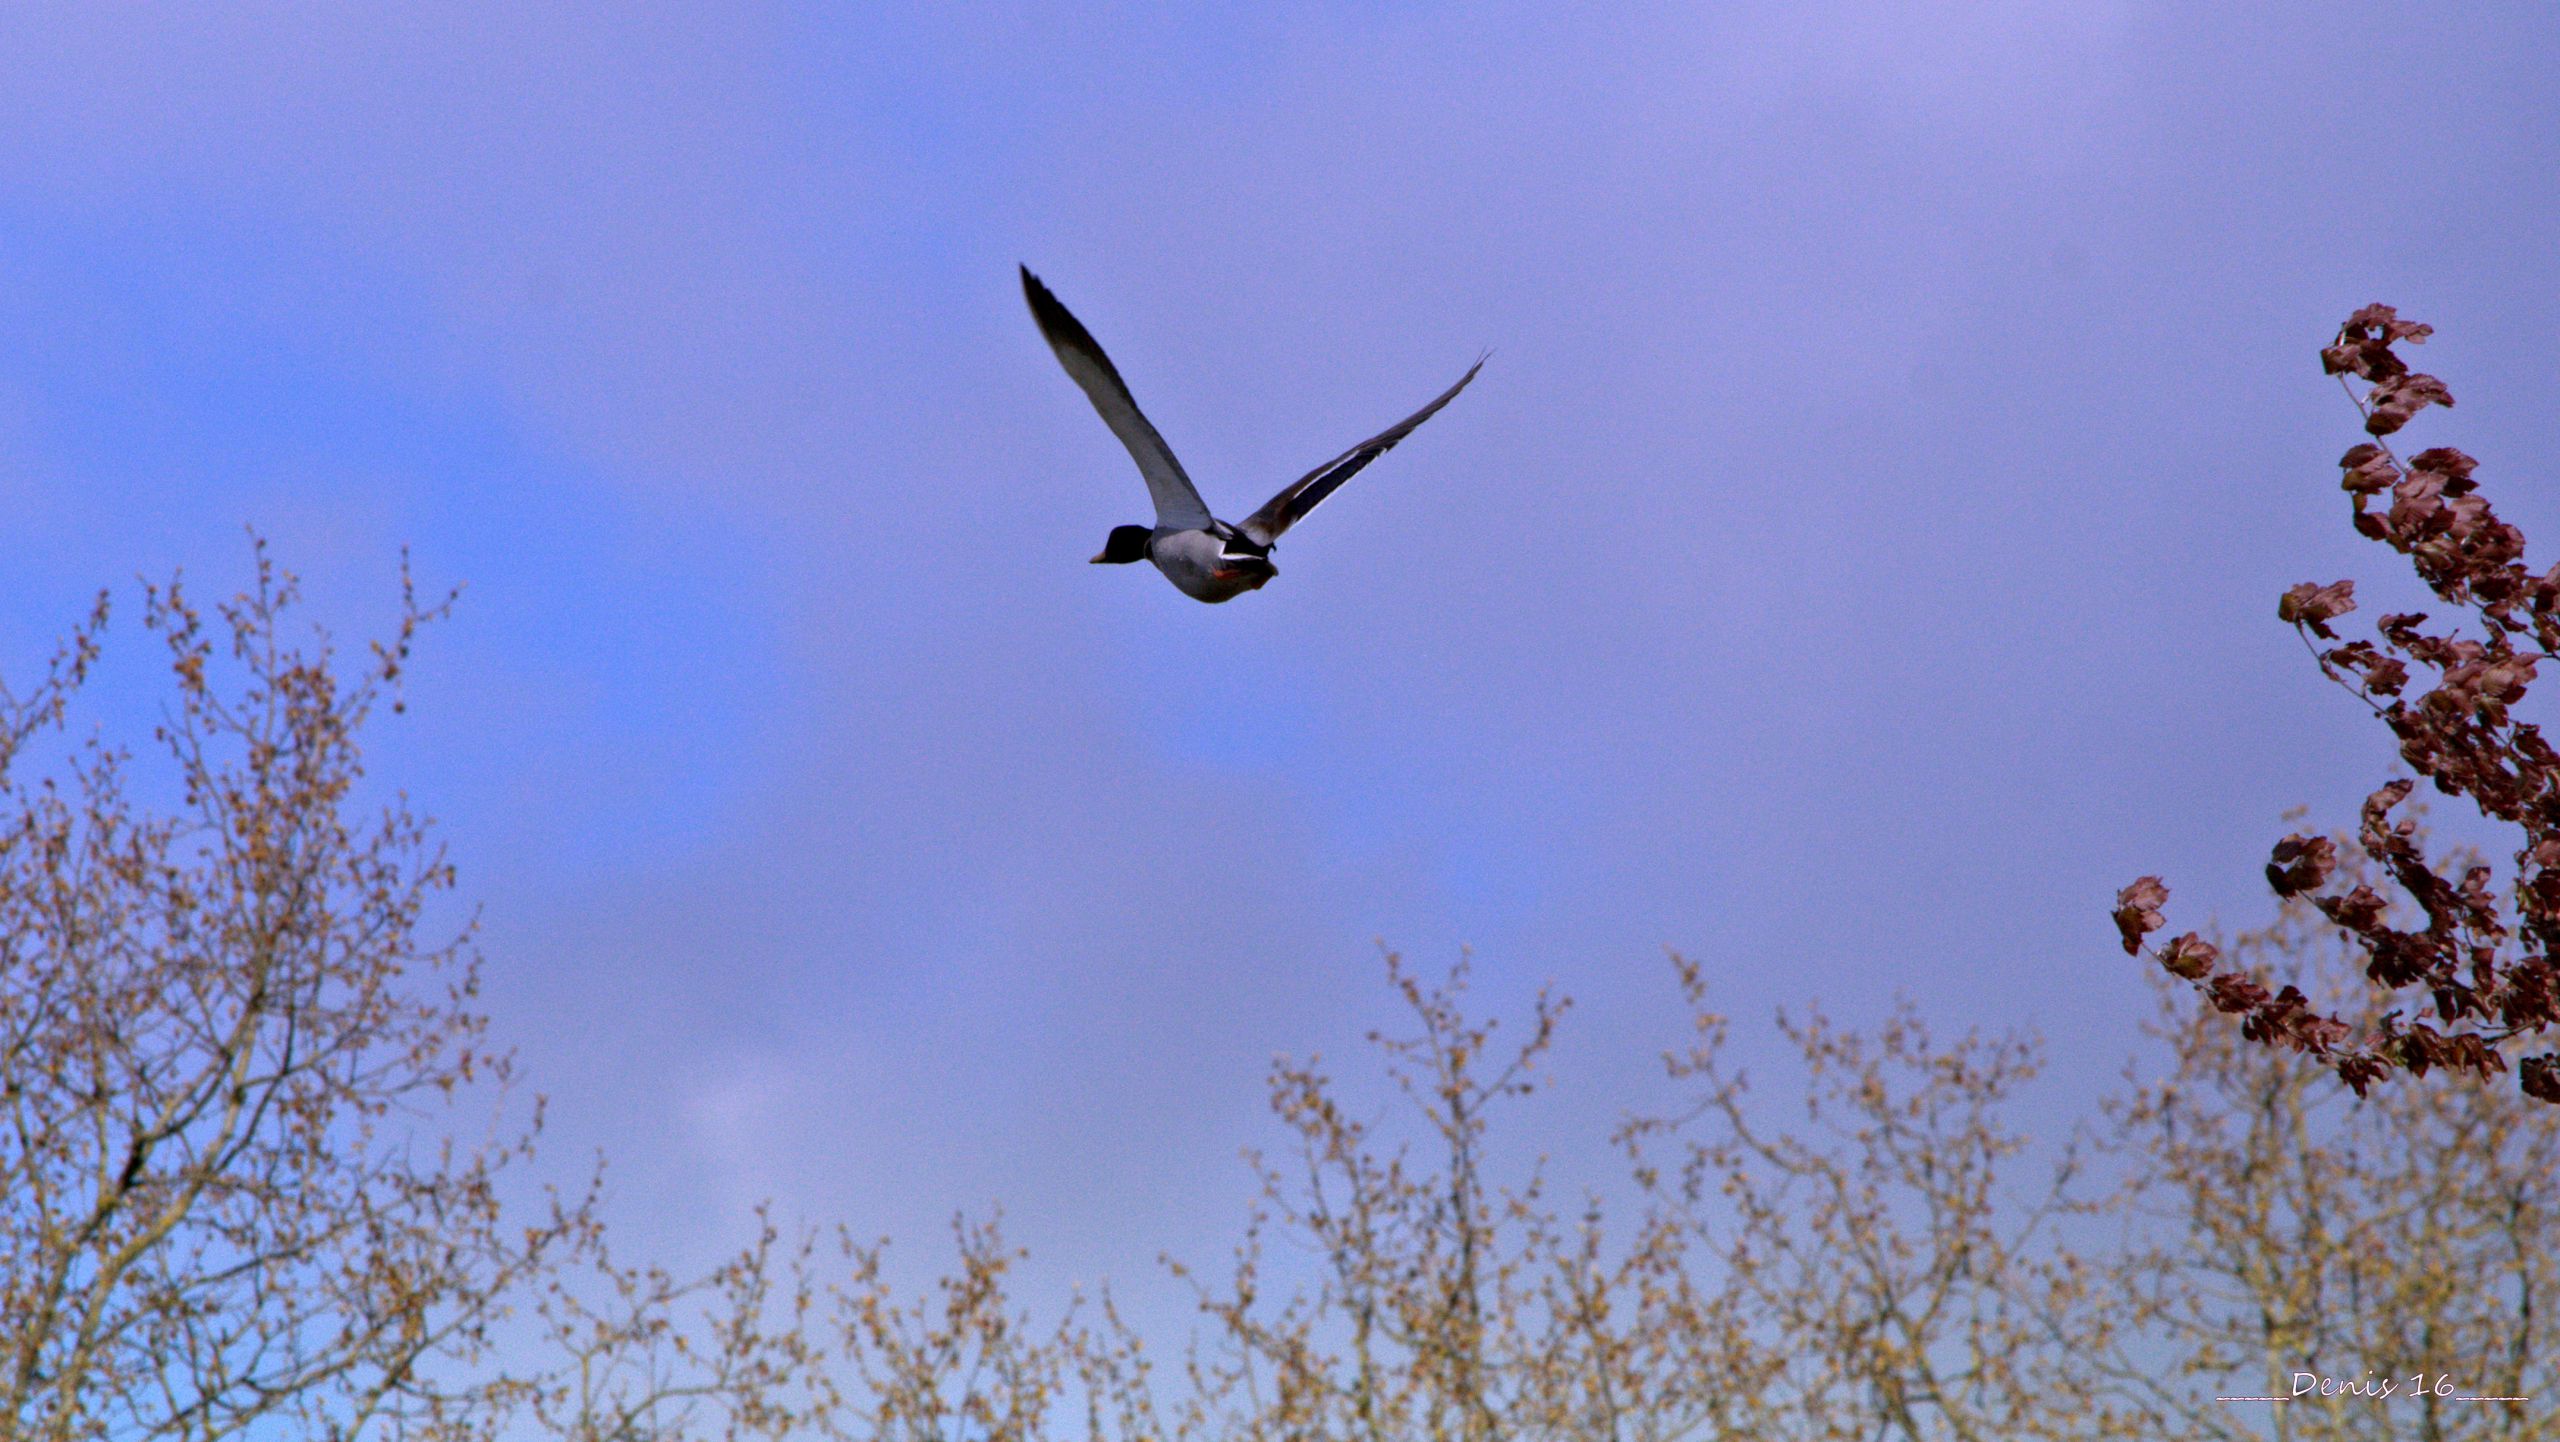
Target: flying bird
{"x":1205,"y":558}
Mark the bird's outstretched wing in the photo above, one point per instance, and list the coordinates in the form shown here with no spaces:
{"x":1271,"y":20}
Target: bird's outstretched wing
{"x":1287,"y":508}
{"x":1177,"y":505}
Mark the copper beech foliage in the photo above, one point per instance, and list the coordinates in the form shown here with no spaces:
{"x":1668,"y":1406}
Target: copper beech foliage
{"x":2274,"y":1224}
{"x":2477,"y":968}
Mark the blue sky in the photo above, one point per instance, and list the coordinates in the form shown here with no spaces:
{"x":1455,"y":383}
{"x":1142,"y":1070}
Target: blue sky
{"x":1857,"y":560}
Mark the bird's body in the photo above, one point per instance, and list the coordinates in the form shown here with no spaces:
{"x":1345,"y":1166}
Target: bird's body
{"x":1204,"y":566}
{"x":1205,"y":558}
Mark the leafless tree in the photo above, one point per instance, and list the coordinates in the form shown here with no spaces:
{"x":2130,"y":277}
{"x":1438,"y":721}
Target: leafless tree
{"x":218,"y":1021}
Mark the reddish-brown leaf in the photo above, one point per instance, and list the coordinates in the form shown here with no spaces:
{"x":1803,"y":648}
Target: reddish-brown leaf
{"x":2367,"y":469}
{"x":2137,"y":911}
{"x":2190,"y":956}
{"x":2316,"y":606}
{"x":2395,"y":400}
{"x":2540,"y":1077}
{"x":2236,"y":993}
{"x":2452,"y":464}
{"x":2301,"y":863}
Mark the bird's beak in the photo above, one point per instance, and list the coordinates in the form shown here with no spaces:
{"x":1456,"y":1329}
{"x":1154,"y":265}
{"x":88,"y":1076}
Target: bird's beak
{"x":1098,"y":560}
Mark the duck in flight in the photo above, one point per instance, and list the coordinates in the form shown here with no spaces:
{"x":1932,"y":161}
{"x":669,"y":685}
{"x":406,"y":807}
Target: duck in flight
{"x":1205,"y":558}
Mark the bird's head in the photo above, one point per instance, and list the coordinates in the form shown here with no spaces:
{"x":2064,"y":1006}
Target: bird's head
{"x":1127,"y":543}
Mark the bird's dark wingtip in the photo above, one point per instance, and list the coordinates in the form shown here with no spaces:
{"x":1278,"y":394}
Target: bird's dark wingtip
{"x":1055,"y":320}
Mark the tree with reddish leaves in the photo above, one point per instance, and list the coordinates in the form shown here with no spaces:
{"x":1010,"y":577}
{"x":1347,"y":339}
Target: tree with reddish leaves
{"x":2478,"y":968}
